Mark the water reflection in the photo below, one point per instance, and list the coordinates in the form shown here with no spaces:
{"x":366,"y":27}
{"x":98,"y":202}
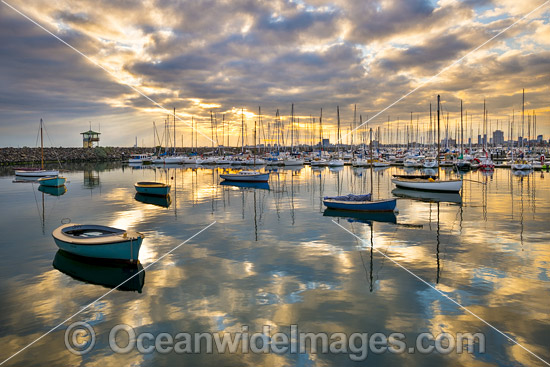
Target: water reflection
{"x":434,"y":197}
{"x":247,"y":185}
{"x":129,"y":277}
{"x":275,"y":258}
{"x":54,"y":191}
{"x":162,"y":201}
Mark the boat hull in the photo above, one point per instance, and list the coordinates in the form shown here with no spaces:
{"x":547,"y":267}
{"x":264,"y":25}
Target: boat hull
{"x":123,"y":246}
{"x":260,"y":177}
{"x":152,"y":188}
{"x":387,"y":205}
{"x":427,"y":185}
{"x":36,"y":173}
{"x":52,"y":181}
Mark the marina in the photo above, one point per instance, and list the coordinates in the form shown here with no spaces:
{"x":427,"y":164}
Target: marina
{"x":275,"y":183}
{"x":277,"y":249}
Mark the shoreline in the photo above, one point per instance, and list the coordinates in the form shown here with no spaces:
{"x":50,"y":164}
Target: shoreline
{"x":28,"y":156}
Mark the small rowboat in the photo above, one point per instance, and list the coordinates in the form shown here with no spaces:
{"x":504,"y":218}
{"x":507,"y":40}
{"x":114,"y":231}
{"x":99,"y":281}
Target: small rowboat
{"x":152,"y":188}
{"x":246,"y":176}
{"x":361,"y":203}
{"x":52,"y":181}
{"x":427,"y":182}
{"x":100,"y":242}
{"x":33,"y":172}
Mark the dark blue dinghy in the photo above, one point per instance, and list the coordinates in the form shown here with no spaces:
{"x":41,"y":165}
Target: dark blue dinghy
{"x":360,"y":203}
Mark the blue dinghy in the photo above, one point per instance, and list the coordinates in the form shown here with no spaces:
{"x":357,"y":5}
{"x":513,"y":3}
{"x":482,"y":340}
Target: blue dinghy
{"x":100,"y":242}
{"x":56,"y":181}
{"x":361,"y":203}
{"x":152,"y":188}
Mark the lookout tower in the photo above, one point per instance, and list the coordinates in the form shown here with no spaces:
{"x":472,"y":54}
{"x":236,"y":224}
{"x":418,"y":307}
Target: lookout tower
{"x":89,"y":137}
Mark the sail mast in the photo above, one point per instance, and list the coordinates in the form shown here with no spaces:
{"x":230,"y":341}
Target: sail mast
{"x":371,"y":177}
{"x":42,"y":146}
{"x":438,"y":136}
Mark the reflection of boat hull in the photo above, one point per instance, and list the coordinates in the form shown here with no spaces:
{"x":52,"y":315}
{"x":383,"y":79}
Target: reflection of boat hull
{"x":100,"y":242}
{"x":364,"y":217}
{"x":436,"y":197}
{"x":428,"y":185}
{"x":109,"y":275}
{"x":55,"y":191}
{"x":387,"y":205}
{"x":163,"y":201}
{"x":253,"y":185}
{"x":260,"y":177}
{"x":152,"y":188}
{"x":52,"y":181}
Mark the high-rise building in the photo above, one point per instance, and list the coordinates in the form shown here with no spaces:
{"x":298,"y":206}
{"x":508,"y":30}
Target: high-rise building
{"x":498,"y":137}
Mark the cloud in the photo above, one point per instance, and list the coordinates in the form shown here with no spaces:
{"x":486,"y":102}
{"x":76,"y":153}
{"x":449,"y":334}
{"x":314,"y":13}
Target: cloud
{"x":243,"y":54}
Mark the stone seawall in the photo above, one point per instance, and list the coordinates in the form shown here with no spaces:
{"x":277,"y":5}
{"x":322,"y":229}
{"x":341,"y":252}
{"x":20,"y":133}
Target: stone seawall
{"x":26,"y":155}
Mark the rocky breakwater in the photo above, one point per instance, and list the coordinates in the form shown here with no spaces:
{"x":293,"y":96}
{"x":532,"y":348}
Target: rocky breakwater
{"x":27,"y":155}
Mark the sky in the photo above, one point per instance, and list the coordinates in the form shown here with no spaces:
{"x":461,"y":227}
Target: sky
{"x":226,"y":57}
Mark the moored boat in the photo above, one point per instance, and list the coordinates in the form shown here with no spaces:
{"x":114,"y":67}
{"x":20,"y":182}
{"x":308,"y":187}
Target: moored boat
{"x":361,"y":203}
{"x":97,"y":241}
{"x":57,"y":181}
{"x":152,"y":188}
{"x":35,"y":172}
{"x":428,"y":183}
{"x":246,"y":176}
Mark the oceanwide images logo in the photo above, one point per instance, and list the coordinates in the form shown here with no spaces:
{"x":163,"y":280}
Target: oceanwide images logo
{"x":80,"y":339}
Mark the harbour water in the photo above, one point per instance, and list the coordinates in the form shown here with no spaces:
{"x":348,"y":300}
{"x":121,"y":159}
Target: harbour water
{"x":274,"y":257}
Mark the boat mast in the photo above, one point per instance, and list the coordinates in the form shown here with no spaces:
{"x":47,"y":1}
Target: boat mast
{"x":174,"y":130}
{"x":321,"y":131}
{"x":242,"y":131}
{"x":292,"y":130}
{"x":371,"y":176}
{"x":461,"y":132}
{"x":338,"y":132}
{"x":438,"y":135}
{"x":42,"y":146}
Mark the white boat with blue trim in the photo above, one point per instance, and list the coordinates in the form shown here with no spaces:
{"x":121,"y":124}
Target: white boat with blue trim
{"x":97,"y":241}
{"x":246,"y":176}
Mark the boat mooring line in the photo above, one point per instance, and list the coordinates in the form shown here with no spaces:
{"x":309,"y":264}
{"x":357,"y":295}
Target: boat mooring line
{"x":443,"y":70}
{"x":444,"y":295}
{"x":105,"y":69}
{"x":106,"y":294}
{"x":479,"y":182}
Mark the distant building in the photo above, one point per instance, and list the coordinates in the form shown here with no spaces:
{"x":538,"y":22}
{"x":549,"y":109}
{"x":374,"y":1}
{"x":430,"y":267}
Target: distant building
{"x":89,"y":138}
{"x":326,"y":142}
{"x":539,"y":139}
{"x":498,"y":137}
{"x":479,"y":140}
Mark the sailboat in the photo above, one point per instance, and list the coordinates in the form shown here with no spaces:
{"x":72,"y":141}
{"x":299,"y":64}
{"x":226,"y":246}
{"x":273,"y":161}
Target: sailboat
{"x":428,"y":182}
{"x":290,"y":160}
{"x":37,"y":172}
{"x":362,"y":203}
{"x":337,"y":162}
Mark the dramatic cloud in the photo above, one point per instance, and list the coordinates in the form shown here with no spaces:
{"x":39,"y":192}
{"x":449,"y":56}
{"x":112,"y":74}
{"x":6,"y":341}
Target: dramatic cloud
{"x":231,"y":55}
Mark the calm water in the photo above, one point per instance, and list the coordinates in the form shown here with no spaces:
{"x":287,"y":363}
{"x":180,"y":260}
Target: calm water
{"x":273,"y":258}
